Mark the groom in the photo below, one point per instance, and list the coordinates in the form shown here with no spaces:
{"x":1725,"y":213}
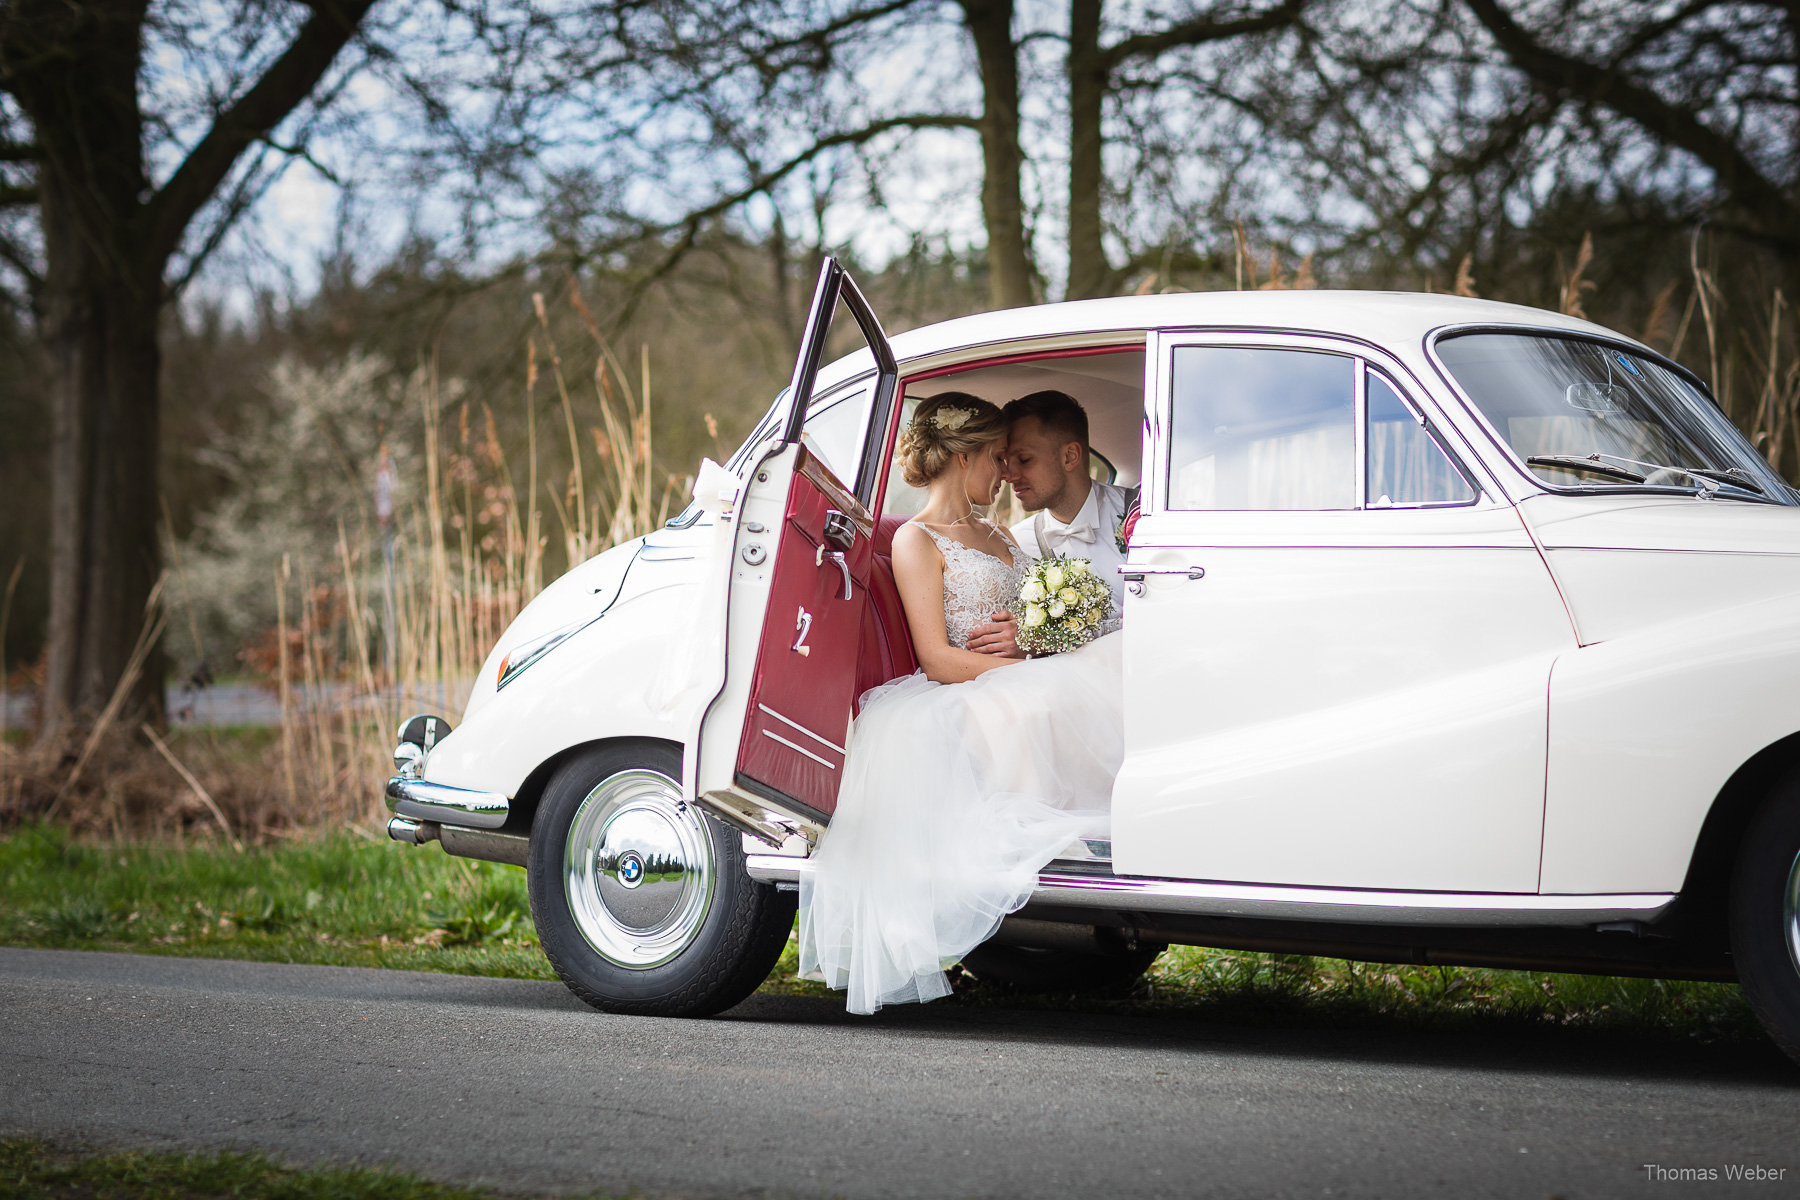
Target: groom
{"x":1076,"y":515}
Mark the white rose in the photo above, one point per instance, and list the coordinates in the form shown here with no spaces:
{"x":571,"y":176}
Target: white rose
{"x":1058,"y":608}
{"x":1068,"y":596}
{"x":1032,"y":592}
{"x":1034,"y":616}
{"x":1073,"y":624}
{"x":1078,"y":567}
{"x":1053,"y":578}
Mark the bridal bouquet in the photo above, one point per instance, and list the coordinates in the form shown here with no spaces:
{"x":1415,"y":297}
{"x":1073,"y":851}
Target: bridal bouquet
{"x":1061,"y":605}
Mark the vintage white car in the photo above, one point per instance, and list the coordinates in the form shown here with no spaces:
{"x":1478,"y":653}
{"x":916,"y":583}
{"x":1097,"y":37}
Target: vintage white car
{"x":1456,"y":632}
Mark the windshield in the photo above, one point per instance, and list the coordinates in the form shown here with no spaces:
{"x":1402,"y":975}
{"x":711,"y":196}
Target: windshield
{"x":1588,"y":416}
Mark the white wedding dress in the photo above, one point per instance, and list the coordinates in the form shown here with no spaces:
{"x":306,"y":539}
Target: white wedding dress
{"x":954,"y":796}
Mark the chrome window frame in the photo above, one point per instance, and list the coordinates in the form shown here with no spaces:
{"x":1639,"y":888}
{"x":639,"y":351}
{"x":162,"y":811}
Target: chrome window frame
{"x":1432,"y":432}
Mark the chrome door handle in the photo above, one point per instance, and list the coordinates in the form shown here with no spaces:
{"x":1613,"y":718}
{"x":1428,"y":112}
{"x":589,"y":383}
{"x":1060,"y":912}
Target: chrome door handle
{"x":835,"y":556}
{"x":803,"y":626}
{"x":1134,"y":575}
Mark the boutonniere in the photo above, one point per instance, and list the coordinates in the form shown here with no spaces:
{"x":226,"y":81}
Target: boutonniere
{"x":1119,"y":533}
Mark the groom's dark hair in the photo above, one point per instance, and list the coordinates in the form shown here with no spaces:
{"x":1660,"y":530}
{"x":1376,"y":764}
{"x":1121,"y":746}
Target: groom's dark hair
{"x":1059,"y":413}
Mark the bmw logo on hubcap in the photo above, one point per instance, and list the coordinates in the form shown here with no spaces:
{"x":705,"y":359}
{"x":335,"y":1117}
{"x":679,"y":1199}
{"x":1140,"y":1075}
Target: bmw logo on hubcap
{"x":631,"y":869}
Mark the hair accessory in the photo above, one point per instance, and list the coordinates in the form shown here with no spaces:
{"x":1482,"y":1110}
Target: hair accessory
{"x":950,"y":418}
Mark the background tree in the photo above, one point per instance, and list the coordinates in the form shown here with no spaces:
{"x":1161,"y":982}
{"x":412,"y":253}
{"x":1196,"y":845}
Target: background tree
{"x":77,"y":73}
{"x":1715,"y":83}
{"x":1094,"y":68}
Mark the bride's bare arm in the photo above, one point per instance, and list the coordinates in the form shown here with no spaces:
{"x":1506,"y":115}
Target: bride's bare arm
{"x":919,"y":576}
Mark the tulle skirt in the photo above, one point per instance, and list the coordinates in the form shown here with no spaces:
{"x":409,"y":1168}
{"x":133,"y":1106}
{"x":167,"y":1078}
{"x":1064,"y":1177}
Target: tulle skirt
{"x":954,"y":796}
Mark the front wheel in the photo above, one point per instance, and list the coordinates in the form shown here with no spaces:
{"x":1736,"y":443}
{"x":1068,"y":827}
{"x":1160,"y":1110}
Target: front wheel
{"x":1765,"y":916}
{"x":641,"y":900}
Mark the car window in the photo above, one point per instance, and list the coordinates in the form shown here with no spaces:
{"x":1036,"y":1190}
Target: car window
{"x":1259,"y":428}
{"x":834,"y":431}
{"x":1584,"y":414}
{"x":902,"y":498}
{"x":1407,"y":468}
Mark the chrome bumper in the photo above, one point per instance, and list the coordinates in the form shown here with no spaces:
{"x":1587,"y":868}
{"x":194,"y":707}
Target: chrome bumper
{"x":423,"y":801}
{"x":1120,"y":894}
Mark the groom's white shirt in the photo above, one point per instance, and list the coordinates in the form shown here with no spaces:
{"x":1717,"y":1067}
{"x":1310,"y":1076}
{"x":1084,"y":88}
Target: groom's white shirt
{"x":1092,"y":535}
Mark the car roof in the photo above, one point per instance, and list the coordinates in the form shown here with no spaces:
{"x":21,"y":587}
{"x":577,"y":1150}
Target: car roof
{"x":1396,"y":320}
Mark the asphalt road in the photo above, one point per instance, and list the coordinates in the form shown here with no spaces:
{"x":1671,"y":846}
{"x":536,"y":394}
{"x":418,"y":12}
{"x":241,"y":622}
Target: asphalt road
{"x":517,"y":1085}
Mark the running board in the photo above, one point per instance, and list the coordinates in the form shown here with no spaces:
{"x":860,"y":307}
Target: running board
{"x":1121,"y":894}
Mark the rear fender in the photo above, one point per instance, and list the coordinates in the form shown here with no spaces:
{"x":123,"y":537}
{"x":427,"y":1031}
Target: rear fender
{"x":1705,"y":892}
{"x":1649,"y":731}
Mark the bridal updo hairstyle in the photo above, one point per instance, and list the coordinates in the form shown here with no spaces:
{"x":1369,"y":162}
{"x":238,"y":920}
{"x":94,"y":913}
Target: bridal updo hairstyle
{"x":935,"y":436}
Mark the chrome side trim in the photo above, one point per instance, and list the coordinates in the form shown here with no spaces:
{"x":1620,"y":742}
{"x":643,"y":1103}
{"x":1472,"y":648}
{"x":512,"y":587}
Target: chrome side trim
{"x":425,"y":801}
{"x":803,"y":729}
{"x":1341,"y":904}
{"x":825,"y":762}
{"x":1344,"y":905}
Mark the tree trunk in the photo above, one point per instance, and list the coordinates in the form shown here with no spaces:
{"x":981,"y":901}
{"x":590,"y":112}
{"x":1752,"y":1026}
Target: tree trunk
{"x":74,"y":69}
{"x":1089,"y":273}
{"x":100,"y":326}
{"x":1002,"y":196}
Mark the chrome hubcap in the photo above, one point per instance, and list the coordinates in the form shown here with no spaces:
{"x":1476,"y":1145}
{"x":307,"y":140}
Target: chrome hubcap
{"x":638,"y":869}
{"x":1790,"y":913}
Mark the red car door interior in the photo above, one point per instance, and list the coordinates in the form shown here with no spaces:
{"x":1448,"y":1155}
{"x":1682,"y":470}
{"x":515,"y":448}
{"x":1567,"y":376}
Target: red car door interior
{"x":814,"y":651}
{"x":793,"y":748}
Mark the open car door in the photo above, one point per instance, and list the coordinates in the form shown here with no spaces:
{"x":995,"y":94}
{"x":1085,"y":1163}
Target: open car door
{"x":773,"y":743}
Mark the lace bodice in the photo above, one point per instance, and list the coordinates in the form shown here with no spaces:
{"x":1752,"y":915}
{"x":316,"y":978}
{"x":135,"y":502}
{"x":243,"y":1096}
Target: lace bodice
{"x":976,"y":585}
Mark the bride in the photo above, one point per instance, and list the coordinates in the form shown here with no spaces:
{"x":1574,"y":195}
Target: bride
{"x":964,"y":778}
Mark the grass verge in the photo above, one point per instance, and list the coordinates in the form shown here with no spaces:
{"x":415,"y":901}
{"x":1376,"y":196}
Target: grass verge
{"x":34,"y":1170}
{"x":352,"y":901}
{"x":339,"y":900}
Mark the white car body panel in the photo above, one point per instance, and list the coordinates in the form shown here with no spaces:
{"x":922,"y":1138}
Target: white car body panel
{"x":764,"y":501}
{"x":1647,"y":728}
{"x":601,"y":682}
{"x":1288,"y":722}
{"x":1689,"y":613}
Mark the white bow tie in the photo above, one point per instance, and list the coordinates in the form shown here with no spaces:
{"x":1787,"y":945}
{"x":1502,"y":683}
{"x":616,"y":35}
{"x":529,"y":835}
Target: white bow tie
{"x":1078,"y":533}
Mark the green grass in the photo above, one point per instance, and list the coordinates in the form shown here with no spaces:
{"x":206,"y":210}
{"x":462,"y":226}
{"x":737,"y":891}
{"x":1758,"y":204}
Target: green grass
{"x":339,"y":900}
{"x":33,"y":1170}
{"x":353,"y":901}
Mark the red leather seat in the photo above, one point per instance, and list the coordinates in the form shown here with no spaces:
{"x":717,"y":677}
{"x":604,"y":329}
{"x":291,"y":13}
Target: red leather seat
{"x":886,"y":649}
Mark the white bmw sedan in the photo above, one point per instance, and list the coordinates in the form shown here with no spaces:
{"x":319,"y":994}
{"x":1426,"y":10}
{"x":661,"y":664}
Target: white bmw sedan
{"x":1456,"y":632}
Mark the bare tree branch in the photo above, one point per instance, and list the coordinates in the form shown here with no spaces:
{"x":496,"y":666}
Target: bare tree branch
{"x":693,"y":223}
{"x":1199,"y":31}
{"x":1571,"y":78}
{"x":286,"y":84}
